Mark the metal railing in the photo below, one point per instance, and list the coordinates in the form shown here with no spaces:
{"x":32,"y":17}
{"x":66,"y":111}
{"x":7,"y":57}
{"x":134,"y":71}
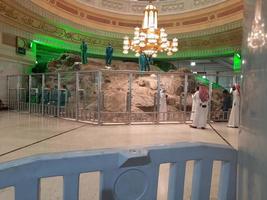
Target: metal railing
{"x":127,"y":174}
{"x":87,"y":96}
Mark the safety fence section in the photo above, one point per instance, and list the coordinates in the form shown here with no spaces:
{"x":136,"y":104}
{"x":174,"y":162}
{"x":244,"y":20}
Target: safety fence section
{"x":112,"y":97}
{"x":127,"y":174}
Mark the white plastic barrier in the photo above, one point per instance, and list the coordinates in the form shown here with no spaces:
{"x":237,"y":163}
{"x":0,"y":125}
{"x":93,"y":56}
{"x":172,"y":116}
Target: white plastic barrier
{"x":127,"y":174}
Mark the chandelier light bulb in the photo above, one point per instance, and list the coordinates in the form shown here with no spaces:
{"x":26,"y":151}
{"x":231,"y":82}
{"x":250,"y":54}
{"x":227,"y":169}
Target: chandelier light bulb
{"x":164,"y":40}
{"x":164,"y":45}
{"x":126,"y":47}
{"x":174,"y":49}
{"x":137,"y":54}
{"x":142,"y":44}
{"x":169,"y":53}
{"x":151,"y":41}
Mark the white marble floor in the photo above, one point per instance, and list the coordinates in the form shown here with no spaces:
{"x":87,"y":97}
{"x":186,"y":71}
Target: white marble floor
{"x":24,"y":135}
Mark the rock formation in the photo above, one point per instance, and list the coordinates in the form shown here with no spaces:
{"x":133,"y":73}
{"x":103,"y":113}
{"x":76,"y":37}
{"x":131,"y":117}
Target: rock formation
{"x":115,"y":87}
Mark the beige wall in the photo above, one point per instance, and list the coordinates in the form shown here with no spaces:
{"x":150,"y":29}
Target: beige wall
{"x":11,"y":64}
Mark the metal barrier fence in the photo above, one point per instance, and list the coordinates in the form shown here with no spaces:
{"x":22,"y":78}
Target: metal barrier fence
{"x":127,"y":174}
{"x":107,"y":96}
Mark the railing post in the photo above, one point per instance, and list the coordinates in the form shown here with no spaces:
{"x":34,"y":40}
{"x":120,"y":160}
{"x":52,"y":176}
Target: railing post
{"x":185,"y":96}
{"x":30,"y":86}
{"x":42,"y":100}
{"x":71,"y":187}
{"x":8,"y":93}
{"x":176,"y":181}
{"x":202,"y":179}
{"x":77,"y":87}
{"x":27,"y":190}
{"x":99,"y":96}
{"x":18,"y":92}
{"x":58,"y":94}
{"x":158,"y":98}
{"x":209,"y":105}
{"x":129,"y":98}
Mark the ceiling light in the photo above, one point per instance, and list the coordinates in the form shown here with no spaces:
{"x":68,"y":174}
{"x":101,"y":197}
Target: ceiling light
{"x":193,"y":64}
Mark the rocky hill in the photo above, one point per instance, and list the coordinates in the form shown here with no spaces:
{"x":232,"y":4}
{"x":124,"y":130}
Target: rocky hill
{"x":115,"y":86}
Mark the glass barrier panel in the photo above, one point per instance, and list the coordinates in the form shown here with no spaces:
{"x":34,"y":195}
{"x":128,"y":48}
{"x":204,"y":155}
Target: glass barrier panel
{"x":88,"y":96}
{"x":171,"y":97}
{"x":36,"y":94}
{"x":23,"y":93}
{"x":144,"y":87}
{"x":50,"y":94}
{"x":67,"y":95}
{"x":114,"y":95}
{"x":13,"y":84}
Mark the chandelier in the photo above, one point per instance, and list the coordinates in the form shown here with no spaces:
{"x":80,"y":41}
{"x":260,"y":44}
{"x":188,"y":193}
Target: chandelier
{"x":150,"y":39}
{"x":257,"y":36}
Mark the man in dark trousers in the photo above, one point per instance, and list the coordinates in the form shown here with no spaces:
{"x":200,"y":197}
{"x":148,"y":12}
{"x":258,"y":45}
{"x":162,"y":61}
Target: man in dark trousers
{"x":227,"y":102}
{"x":109,"y":52}
{"x":84,"y":48}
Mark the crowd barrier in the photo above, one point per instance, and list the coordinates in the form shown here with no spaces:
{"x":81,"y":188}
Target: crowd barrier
{"x":127,"y":174}
{"x":88,"y":96}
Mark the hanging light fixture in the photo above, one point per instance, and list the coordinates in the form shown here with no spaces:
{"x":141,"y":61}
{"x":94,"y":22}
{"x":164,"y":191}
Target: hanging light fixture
{"x":150,"y":39}
{"x":257,"y":37}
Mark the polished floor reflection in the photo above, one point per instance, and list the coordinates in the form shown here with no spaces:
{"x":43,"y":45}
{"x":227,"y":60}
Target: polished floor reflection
{"x":24,"y":135}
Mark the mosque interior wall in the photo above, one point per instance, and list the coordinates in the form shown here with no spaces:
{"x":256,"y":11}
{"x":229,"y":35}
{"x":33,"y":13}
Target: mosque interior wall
{"x":10,"y":62}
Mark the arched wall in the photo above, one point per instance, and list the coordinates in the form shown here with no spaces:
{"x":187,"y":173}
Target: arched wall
{"x":211,"y":31}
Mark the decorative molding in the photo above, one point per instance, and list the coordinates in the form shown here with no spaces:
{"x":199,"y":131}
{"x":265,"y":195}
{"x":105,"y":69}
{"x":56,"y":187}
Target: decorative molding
{"x":227,"y":12}
{"x":167,"y":7}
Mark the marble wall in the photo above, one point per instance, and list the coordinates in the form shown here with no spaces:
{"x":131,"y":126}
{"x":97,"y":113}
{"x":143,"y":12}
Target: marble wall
{"x":253,"y":136}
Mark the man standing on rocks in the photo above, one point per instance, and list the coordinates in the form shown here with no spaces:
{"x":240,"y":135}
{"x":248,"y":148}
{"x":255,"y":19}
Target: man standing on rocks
{"x":143,"y":63}
{"x":84,"y":52}
{"x":109,"y":52}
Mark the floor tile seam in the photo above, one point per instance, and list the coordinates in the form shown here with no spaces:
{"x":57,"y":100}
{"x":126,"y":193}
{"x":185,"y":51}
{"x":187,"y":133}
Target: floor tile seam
{"x":223,"y":138}
{"x":42,"y":140}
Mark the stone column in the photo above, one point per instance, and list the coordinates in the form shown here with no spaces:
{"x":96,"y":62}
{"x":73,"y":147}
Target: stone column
{"x":252,"y":163}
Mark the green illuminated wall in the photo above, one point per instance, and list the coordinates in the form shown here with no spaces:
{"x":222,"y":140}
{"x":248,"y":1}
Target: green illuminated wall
{"x":237,"y":62}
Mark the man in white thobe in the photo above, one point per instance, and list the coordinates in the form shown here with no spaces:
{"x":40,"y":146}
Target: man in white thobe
{"x":234,"y":116}
{"x":193,"y":105}
{"x":201,"y":114}
{"x":162,"y":105}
